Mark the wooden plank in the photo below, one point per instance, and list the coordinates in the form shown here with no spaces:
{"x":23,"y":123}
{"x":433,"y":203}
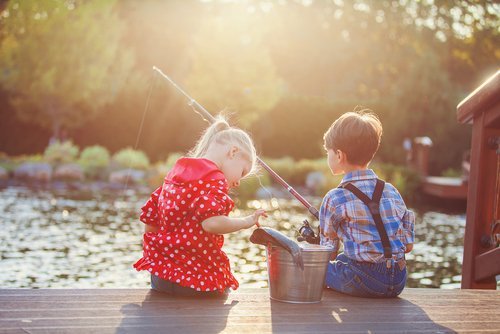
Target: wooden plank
{"x":477,"y":101}
{"x":244,"y":311}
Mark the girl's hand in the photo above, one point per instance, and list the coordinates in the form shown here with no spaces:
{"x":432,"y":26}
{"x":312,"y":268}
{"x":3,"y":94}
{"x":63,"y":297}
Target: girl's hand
{"x":254,"y":218}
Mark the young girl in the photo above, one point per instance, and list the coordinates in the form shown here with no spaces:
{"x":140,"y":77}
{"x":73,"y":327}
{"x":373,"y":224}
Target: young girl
{"x":186,"y":217}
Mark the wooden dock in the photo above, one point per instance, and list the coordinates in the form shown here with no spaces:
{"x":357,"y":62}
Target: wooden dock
{"x":445,"y":187}
{"x":245,"y":311}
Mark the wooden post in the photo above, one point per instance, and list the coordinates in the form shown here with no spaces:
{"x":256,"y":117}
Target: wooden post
{"x":481,"y":256}
{"x":421,"y":151}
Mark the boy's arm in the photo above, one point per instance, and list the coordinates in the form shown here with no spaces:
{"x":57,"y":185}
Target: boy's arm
{"x":409,"y":229}
{"x":327,"y":222}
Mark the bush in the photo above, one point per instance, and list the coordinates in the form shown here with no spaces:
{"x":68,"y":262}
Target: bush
{"x":61,"y":152}
{"x":7,"y":163}
{"x":452,"y":172}
{"x":130,"y":158}
{"x":305,"y":166}
{"x":404,"y":179}
{"x":94,"y":160}
{"x":161,"y":169}
{"x":284,"y":167}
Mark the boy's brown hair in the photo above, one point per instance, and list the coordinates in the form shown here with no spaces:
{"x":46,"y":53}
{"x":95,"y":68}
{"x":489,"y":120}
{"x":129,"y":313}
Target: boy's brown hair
{"x":357,"y":134}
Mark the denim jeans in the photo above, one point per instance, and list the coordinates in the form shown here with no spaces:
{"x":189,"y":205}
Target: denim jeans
{"x":365,"y":279}
{"x":174,"y":289}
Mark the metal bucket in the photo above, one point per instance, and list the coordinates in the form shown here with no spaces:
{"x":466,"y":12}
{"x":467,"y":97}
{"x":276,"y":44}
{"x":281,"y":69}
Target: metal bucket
{"x":288,"y":282}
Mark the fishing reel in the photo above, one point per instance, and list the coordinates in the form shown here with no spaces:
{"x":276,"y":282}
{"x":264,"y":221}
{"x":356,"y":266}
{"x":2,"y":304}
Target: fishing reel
{"x":306,"y":233}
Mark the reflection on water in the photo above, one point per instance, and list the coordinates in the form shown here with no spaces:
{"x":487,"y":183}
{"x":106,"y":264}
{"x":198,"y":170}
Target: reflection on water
{"x":50,"y":239}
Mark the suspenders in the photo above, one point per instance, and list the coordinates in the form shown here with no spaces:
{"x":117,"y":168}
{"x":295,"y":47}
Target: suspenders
{"x":374,"y":206}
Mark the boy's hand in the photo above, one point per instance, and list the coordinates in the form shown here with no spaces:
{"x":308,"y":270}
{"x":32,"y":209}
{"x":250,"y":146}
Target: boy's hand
{"x":254,"y":218}
{"x":409,"y":248}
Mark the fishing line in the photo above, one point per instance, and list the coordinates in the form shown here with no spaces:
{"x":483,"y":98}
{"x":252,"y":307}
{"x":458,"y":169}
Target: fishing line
{"x":139,"y":132}
{"x":271,"y":196}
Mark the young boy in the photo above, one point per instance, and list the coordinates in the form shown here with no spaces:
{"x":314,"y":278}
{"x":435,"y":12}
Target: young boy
{"x":366,"y":214}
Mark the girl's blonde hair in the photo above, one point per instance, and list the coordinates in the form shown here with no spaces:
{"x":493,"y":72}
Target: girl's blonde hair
{"x":221,"y":132}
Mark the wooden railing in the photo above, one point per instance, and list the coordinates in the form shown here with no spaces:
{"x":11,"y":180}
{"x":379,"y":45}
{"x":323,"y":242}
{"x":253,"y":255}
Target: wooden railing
{"x":481,"y":261}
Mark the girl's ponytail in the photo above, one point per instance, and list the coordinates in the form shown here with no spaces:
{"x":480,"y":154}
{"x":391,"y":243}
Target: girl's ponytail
{"x":208,"y":136}
{"x":221,"y":132}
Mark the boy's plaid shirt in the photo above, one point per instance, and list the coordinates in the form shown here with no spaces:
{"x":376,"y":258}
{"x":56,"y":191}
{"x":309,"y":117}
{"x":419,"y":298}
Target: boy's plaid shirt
{"x":344,"y":217}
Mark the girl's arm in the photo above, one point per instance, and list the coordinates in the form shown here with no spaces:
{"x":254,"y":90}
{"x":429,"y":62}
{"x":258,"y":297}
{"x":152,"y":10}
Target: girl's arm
{"x":224,"y":224}
{"x":151,"y":228}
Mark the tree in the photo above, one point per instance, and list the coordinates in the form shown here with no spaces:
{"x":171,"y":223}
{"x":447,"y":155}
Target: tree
{"x":232,"y":68}
{"x":61,"y":61}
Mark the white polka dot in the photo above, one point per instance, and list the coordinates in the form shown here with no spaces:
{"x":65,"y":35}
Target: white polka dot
{"x":200,"y":182}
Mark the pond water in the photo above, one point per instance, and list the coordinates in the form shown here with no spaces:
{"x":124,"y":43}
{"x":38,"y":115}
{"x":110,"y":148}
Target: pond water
{"x":51,"y":239}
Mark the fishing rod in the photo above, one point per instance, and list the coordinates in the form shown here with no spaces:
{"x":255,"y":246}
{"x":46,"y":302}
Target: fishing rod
{"x":306,"y":232}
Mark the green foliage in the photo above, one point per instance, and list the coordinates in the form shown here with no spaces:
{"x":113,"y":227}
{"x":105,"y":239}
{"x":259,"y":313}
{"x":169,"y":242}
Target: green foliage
{"x":130,"y":158}
{"x":452,"y":172}
{"x":237,"y":74}
{"x":28,"y":158}
{"x":284,"y":167}
{"x":289,"y":71}
{"x":61,"y":152}
{"x":295,"y":126}
{"x":161,"y":169}
{"x":6,"y":162}
{"x":61,"y":60}
{"x":405,"y":180}
{"x":94,"y":160}
{"x":306,"y":166}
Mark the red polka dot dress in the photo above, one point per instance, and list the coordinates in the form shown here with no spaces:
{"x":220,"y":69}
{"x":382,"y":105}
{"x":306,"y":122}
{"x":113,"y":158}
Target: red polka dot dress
{"x":182,"y":252}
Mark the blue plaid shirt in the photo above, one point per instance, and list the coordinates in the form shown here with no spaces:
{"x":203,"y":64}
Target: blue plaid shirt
{"x":344,"y":217}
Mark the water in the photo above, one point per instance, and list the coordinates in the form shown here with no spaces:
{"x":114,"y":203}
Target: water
{"x":51,"y":239}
